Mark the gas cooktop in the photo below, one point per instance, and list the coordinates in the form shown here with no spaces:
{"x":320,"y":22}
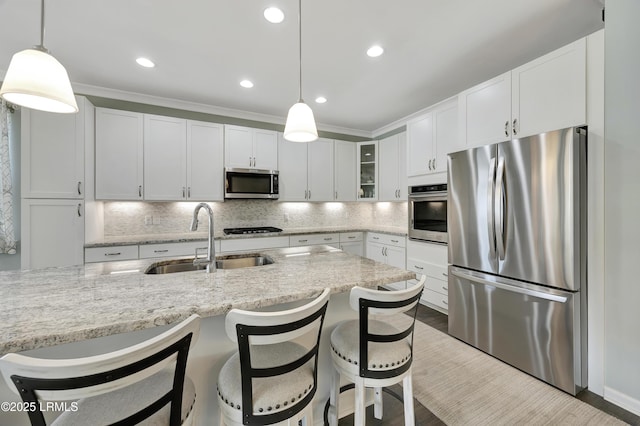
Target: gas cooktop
{"x":251,"y":230}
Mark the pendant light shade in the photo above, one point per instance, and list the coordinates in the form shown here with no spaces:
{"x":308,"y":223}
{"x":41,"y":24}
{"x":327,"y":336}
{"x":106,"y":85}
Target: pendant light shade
{"x":301,"y":125}
{"x":36,"y":80}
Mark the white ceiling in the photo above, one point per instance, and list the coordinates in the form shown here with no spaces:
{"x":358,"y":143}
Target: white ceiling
{"x":203,"y":48}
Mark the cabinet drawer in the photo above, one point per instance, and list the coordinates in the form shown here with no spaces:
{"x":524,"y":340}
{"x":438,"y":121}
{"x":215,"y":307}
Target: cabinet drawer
{"x":347,"y":237}
{"x":175,"y":249}
{"x":435,"y":299}
{"x":390,"y":240}
{"x":313,"y":239}
{"x":437,"y":286}
{"x":244,"y":244}
{"x":429,"y":269}
{"x":109,"y":254}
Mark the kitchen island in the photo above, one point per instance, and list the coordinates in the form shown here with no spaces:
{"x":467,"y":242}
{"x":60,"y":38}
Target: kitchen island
{"x":83,"y":310}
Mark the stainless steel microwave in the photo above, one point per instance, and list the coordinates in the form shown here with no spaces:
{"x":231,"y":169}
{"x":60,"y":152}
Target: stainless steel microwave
{"x":428,"y":213}
{"x":251,"y":183}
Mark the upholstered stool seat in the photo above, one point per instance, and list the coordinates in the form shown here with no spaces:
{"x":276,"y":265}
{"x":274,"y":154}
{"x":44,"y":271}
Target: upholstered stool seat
{"x":271,"y":394}
{"x":345,"y":343}
{"x":99,"y":410}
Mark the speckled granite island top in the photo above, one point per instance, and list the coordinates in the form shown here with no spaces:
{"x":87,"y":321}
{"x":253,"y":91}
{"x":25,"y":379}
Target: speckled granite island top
{"x":60,"y":305}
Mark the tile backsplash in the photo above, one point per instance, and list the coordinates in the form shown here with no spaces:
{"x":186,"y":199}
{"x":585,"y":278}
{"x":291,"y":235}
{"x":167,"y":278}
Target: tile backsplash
{"x":143,"y":218}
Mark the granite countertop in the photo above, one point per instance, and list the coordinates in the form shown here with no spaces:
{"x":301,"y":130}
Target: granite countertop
{"x":202,"y":236}
{"x":52,"y":306}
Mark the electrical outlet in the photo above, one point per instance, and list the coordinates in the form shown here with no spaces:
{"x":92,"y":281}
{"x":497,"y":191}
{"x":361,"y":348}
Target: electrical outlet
{"x":148,"y":220}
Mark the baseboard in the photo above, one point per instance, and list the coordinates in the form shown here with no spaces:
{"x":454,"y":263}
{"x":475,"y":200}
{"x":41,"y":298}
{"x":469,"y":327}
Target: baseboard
{"x":622,"y":400}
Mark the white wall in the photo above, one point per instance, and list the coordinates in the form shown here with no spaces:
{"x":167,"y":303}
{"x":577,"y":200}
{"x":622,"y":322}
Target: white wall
{"x":622,"y":204}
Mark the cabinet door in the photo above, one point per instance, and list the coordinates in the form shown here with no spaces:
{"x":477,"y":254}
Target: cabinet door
{"x":119,"y":153}
{"x":353,"y":248}
{"x":420,"y":145}
{"x":292,"y":160}
{"x":345,"y":171}
{"x":388,"y":169}
{"x":395,"y":256}
{"x":446,"y":136}
{"x":367,"y":171}
{"x":402,"y":166}
{"x":238,"y":146}
{"x":265,"y":149}
{"x":52,"y":233}
{"x":320,"y":170}
{"x":485,"y":112}
{"x":549,"y":93}
{"x":205,"y":161}
{"x":52,"y":154}
{"x":375,"y":252}
{"x":165,"y":164}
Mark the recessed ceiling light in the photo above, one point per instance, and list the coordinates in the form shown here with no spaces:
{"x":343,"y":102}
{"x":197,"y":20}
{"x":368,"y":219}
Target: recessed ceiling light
{"x":273,"y":15}
{"x":246,"y":83}
{"x":375,"y":51}
{"x":144,"y":62}
{"x":321,"y":99}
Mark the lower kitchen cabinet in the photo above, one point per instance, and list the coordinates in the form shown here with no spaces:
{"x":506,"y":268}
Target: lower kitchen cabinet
{"x":52,"y":233}
{"x":431,"y":260}
{"x":331,"y":239}
{"x":389,"y":249}
{"x":352,"y":242}
{"x":110,"y":254}
{"x":188,"y":248}
{"x":260,"y":243}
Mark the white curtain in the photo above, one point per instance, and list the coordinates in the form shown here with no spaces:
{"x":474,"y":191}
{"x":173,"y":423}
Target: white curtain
{"x":7,"y":234}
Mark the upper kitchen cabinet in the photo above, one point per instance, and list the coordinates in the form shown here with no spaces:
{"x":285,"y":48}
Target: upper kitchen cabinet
{"x":344,"y":154}
{"x":119,"y":155}
{"x":367,"y":170}
{"x":250,"y":148}
{"x":431,"y":137}
{"x":53,"y":163}
{"x":306,"y":170}
{"x":545,"y":94}
{"x":392,"y":173}
{"x":165,"y":158}
{"x":183,"y":160}
{"x":205,"y":161}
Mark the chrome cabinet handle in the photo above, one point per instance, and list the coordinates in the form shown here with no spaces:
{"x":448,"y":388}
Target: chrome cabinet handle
{"x":506,"y":128}
{"x":336,"y":195}
{"x":140,"y":191}
{"x":395,"y":241}
{"x":329,"y":239}
{"x":189,"y":192}
{"x":445,"y":303}
{"x":161,"y":251}
{"x":445,"y":289}
{"x":418,"y":267}
{"x":429,"y":164}
{"x":434,"y":164}
{"x":445,"y":274}
{"x":351,"y":237}
{"x":184,"y":192}
{"x":302,"y":241}
{"x":113,"y":254}
{"x":309,"y":194}
{"x":79,"y":210}
{"x":515,"y":123}
{"x":376,"y":238}
{"x":79,"y":188}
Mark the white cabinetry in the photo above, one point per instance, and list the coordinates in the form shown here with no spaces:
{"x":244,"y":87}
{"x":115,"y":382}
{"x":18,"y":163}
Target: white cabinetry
{"x":344,"y":171}
{"x":256,"y":243}
{"x":110,"y":254}
{"x":53,"y":153}
{"x":119,"y":155}
{"x":430,"y":138}
{"x":367,"y":170}
{"x":165,"y":162}
{"x":352,"y":242}
{"x":389,"y":249}
{"x":306,"y":170}
{"x":52,"y":233}
{"x":188,"y":248}
{"x":250,"y":148}
{"x":392,"y":174}
{"x":545,"y":94}
{"x":331,"y":239}
{"x":430,"y":260}
{"x":205,"y":161}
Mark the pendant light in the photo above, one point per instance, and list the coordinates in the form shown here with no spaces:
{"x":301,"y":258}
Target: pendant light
{"x":300,"y":126}
{"x":36,"y":80}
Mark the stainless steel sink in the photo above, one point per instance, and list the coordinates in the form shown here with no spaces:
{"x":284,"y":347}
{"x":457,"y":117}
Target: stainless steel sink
{"x":232,"y":261}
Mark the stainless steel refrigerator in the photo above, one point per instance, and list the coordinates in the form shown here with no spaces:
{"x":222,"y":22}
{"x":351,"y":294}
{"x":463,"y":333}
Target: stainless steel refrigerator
{"x":517,"y":253}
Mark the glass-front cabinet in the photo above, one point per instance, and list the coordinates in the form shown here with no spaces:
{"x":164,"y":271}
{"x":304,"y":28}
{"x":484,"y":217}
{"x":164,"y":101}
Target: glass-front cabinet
{"x":368,"y":171}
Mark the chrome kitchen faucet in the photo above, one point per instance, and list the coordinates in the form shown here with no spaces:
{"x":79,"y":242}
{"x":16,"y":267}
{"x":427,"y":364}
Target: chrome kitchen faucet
{"x":210,"y":260}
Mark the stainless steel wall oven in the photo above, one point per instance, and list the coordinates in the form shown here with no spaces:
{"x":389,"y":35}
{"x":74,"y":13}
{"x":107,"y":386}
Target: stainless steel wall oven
{"x":428,"y":213}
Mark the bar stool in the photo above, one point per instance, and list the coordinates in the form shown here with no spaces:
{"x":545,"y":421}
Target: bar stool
{"x":144,"y":383}
{"x":372,"y":353}
{"x":273,"y":376}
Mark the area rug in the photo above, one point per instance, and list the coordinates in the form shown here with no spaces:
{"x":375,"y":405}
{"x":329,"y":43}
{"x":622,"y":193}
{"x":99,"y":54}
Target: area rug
{"x":464,"y":386}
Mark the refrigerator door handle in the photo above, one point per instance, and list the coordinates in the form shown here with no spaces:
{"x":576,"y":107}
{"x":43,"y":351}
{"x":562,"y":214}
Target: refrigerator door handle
{"x":498,"y":208}
{"x":476,"y":278}
{"x":490,"y":207}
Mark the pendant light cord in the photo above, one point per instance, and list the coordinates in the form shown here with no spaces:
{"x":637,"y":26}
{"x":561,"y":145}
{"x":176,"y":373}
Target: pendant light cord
{"x":41,"y":45}
{"x":299,"y":46}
